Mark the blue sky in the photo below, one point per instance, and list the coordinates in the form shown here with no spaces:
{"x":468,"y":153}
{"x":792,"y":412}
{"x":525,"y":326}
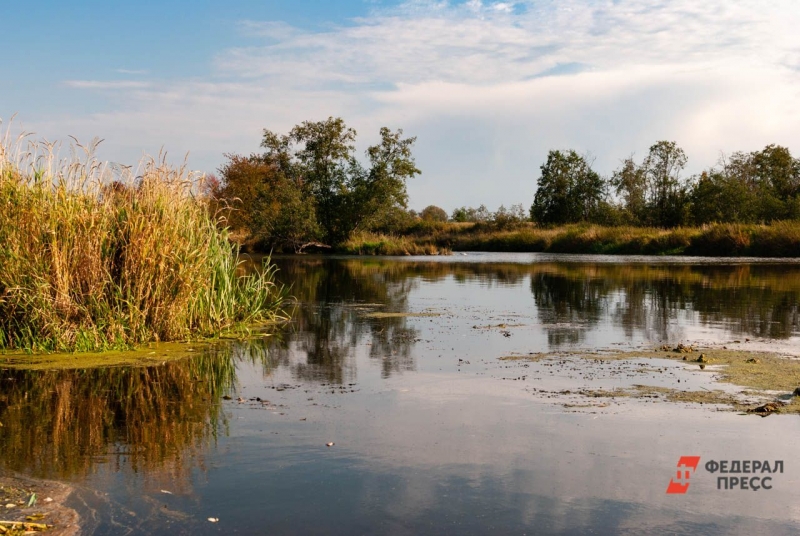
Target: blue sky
{"x":487,"y":87}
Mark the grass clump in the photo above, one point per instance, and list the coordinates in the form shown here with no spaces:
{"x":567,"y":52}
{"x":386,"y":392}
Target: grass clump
{"x":94,"y":256}
{"x":367,"y":243}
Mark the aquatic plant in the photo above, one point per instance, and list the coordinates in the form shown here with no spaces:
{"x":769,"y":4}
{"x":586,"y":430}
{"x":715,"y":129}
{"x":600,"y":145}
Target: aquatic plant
{"x":96,"y":256}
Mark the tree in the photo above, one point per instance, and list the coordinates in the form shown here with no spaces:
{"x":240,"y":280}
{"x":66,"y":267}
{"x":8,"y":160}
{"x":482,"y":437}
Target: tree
{"x":666,"y":199}
{"x":379,"y":194}
{"x":758,"y":186}
{"x":471,"y":214}
{"x":568,"y":190}
{"x":264,"y":206}
{"x":318,"y":155}
{"x":433,"y":213}
{"x":318,"y":159}
{"x":509,"y":218}
{"x":630,"y":184}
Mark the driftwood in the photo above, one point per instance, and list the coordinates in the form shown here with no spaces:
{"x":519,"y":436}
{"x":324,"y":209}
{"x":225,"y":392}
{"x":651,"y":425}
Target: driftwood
{"x":310,"y":244}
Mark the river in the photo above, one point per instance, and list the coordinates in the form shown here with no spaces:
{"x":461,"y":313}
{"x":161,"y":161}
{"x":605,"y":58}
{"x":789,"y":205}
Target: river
{"x":401,"y":400}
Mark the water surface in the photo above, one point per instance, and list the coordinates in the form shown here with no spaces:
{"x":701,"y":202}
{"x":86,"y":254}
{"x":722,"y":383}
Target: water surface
{"x":432,"y":432}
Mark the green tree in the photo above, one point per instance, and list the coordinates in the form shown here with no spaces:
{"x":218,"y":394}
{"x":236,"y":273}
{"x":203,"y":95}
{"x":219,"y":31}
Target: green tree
{"x":718,"y":197}
{"x":666,"y":194}
{"x":379,"y":195}
{"x":318,"y":158}
{"x":568,"y":190}
{"x":471,"y":214}
{"x":630,"y":185}
{"x":509,"y":218}
{"x":264,"y":207}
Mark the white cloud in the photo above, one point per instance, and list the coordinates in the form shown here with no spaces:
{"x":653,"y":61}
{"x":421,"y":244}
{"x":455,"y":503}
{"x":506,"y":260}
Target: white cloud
{"x":131,"y":71}
{"x":106,"y":84}
{"x":488,"y":87}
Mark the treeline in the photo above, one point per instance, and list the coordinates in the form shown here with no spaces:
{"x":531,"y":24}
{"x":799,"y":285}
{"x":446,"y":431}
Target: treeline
{"x":308,"y":189}
{"x":757,"y":187}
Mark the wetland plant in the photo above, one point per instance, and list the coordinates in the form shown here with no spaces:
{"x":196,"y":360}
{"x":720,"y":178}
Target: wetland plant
{"x":96,"y":256}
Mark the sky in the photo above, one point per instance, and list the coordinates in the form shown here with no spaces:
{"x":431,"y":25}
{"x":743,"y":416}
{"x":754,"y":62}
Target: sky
{"x":487,"y":87}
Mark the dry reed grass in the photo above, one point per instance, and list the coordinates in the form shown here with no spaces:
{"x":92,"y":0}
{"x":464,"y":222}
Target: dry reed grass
{"x":96,"y":256}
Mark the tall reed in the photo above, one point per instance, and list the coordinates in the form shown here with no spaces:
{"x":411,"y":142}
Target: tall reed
{"x":96,"y":256}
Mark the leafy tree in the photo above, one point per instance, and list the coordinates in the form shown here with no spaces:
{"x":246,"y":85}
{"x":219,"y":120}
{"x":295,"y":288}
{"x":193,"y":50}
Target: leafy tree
{"x":630,"y":184}
{"x":717,"y":197}
{"x":264,"y":206}
{"x":433,"y":213}
{"x":509,"y":218}
{"x":760,"y":186}
{"x":776,"y":169}
{"x":475,"y":215}
{"x":666,"y":195}
{"x":379,"y":194}
{"x":568,"y":190}
{"x":318,"y":159}
{"x":317,"y":156}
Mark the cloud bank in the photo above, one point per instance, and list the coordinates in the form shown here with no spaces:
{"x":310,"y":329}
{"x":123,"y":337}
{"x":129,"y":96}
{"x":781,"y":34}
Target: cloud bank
{"x":487,"y":87}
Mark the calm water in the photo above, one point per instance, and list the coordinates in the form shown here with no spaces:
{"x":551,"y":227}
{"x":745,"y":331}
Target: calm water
{"x":432,"y":432}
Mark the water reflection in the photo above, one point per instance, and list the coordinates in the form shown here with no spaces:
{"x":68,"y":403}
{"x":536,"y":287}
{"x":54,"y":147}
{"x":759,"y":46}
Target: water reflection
{"x":330,"y":322}
{"x":155,"y":420}
{"x":570,"y":299}
{"x":414,"y":451}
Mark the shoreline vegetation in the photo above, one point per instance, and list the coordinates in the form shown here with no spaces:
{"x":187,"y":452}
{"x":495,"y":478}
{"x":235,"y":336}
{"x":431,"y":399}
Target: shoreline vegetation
{"x":780,"y":239}
{"x":308,"y":191}
{"x":97,"y":257}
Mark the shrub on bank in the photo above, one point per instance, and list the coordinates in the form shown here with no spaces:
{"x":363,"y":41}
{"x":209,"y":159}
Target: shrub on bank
{"x":93,"y":257}
{"x":381,"y":244}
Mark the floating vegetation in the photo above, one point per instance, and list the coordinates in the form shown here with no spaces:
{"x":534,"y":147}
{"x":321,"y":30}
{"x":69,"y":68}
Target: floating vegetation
{"x":378,"y":314}
{"x":763,"y":374}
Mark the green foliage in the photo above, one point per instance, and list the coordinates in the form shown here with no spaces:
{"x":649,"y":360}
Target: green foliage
{"x":721,"y":198}
{"x":473,"y":215}
{"x":654,"y":193}
{"x":267,"y":203}
{"x":630,"y":184}
{"x":568,"y":190}
{"x":508,"y":218}
{"x":308,"y":186}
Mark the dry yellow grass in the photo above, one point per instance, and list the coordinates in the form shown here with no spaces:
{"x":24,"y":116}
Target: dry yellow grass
{"x":96,"y":256}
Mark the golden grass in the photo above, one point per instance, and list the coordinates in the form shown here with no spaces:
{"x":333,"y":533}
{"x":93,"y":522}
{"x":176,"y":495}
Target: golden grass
{"x":779,"y":239}
{"x":381,"y":244}
{"x":95,"y":256}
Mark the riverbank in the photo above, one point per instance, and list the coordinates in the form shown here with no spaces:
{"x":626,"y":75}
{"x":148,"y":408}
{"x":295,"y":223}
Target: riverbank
{"x":36,"y":505}
{"x":781,"y":239}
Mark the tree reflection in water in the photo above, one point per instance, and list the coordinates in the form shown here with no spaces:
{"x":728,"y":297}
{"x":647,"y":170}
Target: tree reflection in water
{"x":570,"y":299}
{"x":155,"y":420}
